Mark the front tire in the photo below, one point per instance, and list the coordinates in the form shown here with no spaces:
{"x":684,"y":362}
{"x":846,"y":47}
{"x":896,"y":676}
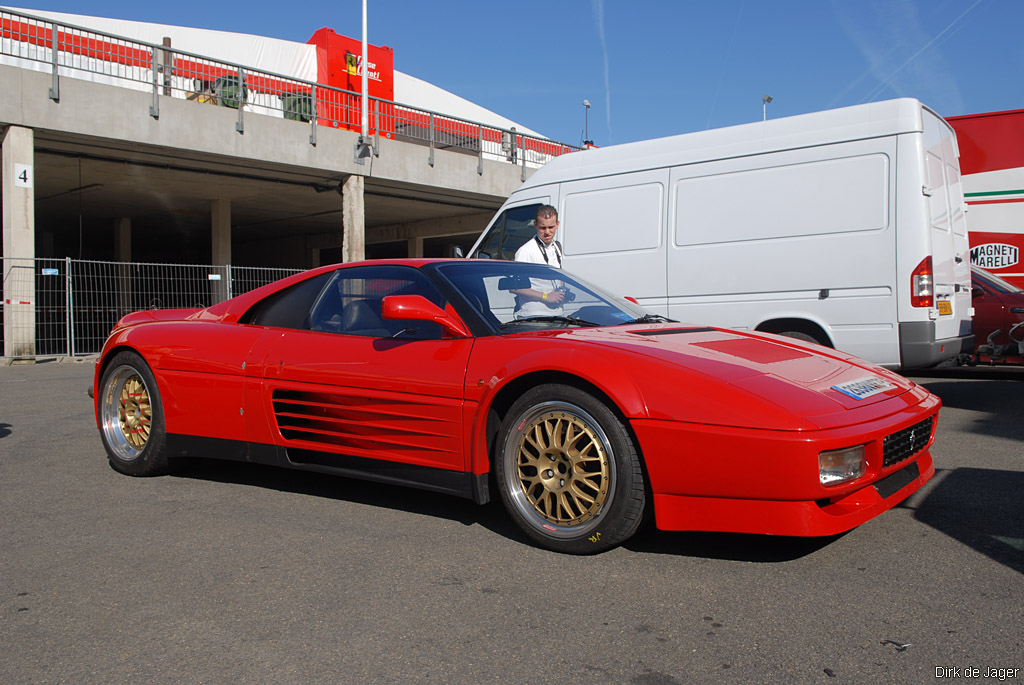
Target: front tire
{"x":568,"y":471}
{"x":131,"y":417}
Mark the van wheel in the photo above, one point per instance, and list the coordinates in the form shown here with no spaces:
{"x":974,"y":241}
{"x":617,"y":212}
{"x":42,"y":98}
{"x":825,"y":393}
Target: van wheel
{"x":568,"y":471}
{"x":800,"y":335}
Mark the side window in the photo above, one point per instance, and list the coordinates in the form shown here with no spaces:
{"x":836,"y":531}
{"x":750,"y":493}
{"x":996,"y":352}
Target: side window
{"x":288,"y":308}
{"x":508,"y":232}
{"x":351,"y":303}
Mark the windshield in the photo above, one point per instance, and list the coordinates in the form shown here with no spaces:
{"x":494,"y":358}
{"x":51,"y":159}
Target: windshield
{"x":516,"y":296}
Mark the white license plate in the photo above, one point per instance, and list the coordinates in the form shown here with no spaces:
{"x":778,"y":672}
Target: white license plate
{"x":863,"y":387}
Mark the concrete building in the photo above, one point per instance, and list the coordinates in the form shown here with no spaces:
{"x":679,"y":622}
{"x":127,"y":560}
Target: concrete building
{"x":112,"y":179}
{"x":111,"y":151}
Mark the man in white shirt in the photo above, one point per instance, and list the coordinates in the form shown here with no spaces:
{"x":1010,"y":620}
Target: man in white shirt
{"x":542,"y":298}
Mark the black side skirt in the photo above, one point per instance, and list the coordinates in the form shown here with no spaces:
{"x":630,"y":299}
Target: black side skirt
{"x":458,"y":483}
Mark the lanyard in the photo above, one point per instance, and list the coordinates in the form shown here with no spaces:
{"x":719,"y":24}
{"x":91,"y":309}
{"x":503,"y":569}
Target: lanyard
{"x":544,"y":251}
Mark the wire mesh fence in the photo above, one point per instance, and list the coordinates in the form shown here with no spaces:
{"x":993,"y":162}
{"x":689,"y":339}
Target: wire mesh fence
{"x":67,"y":307}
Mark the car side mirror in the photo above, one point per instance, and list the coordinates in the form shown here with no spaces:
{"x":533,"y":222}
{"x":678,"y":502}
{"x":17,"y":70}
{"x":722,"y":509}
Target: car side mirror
{"x":976,"y":293}
{"x":457,"y":252}
{"x":419,"y":308}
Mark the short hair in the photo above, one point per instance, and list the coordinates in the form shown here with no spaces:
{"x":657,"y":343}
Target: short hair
{"x":546,"y":211}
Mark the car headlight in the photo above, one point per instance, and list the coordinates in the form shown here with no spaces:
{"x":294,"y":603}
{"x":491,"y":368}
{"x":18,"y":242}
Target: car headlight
{"x":840,"y":466}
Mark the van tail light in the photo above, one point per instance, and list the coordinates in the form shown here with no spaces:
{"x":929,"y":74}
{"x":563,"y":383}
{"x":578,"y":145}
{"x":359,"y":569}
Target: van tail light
{"x":922,"y":285}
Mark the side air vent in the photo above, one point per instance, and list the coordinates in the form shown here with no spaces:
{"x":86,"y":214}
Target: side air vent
{"x":358,"y":424}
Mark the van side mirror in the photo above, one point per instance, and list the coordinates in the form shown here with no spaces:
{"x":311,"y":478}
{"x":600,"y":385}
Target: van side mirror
{"x":457,"y":252}
{"x":976,"y":293}
{"x":419,"y":308}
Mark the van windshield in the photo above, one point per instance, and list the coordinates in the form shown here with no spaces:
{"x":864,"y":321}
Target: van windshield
{"x":508,"y":232}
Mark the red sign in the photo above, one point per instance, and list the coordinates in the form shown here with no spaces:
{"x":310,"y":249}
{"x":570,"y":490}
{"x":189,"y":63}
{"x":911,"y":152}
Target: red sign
{"x":339,"y":64}
{"x":333,"y":64}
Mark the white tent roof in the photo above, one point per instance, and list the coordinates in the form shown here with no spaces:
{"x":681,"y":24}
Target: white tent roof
{"x":278,"y":56}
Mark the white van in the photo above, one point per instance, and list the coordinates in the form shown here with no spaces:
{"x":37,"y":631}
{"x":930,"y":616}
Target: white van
{"x":845,"y":227}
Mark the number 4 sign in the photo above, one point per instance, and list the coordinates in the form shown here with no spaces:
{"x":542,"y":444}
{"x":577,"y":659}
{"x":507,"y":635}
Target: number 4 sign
{"x":22,"y":175}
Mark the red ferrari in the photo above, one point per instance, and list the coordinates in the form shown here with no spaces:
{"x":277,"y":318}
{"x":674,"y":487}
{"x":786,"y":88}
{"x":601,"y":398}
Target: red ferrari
{"x":583,"y":410}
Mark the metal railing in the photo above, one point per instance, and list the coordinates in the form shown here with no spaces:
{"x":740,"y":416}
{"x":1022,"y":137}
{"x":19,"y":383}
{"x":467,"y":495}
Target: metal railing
{"x":66,"y":307}
{"x":59,"y":48}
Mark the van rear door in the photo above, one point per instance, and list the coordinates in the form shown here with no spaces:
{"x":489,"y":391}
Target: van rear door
{"x":948,"y":228}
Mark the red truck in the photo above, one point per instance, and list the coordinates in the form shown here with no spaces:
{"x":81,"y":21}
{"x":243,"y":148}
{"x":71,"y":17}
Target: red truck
{"x":992,"y":162}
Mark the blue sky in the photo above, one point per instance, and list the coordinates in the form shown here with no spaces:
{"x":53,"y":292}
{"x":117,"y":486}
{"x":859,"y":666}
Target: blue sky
{"x":652,"y":69}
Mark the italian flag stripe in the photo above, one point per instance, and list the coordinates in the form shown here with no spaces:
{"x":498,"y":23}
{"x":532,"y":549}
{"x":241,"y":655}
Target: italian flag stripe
{"x":990,"y":193}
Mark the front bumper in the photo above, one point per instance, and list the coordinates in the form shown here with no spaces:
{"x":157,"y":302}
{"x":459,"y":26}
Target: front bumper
{"x":802,"y":518}
{"x":743,"y":480}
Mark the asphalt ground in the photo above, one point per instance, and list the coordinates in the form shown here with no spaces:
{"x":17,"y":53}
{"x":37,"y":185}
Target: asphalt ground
{"x":227,"y":572}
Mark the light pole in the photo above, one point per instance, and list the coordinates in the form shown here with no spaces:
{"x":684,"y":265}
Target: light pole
{"x":764,"y":106}
{"x":586,"y":123}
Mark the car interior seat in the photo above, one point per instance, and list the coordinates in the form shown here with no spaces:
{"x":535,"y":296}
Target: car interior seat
{"x":359,"y":318}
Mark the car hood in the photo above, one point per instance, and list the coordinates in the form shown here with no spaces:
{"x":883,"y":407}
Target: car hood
{"x":772,"y":382}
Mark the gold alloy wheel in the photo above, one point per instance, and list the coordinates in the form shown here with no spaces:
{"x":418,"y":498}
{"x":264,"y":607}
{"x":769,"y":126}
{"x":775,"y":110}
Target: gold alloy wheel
{"x":135,"y":413}
{"x":563,"y":467}
{"x":126,"y":410}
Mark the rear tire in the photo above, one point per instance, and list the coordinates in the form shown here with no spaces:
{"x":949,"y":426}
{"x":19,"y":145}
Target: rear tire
{"x":131,"y":417}
{"x":800,"y":335}
{"x":568,"y":471}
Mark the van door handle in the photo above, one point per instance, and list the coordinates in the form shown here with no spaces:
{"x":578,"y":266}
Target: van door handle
{"x":959,"y":259}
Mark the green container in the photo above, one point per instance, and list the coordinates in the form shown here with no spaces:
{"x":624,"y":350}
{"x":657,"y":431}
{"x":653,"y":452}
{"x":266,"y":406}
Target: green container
{"x":226,"y":89}
{"x":297,"y":106}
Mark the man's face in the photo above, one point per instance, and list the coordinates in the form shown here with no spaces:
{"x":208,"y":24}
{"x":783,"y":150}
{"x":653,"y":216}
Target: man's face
{"x":546,"y":227}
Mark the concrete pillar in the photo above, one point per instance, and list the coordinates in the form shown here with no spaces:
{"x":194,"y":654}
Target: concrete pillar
{"x":123,"y":233}
{"x":19,"y":228}
{"x":123,"y":253}
{"x":415,"y":249}
{"x":353,"y":219}
{"x":220,"y":228}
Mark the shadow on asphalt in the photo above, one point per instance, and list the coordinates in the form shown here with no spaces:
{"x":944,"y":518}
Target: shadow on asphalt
{"x":492,"y":516}
{"x":981,"y":508}
{"x":369,"y":493}
{"x":997,"y":405}
{"x":984,"y":373}
{"x":767,"y":549}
